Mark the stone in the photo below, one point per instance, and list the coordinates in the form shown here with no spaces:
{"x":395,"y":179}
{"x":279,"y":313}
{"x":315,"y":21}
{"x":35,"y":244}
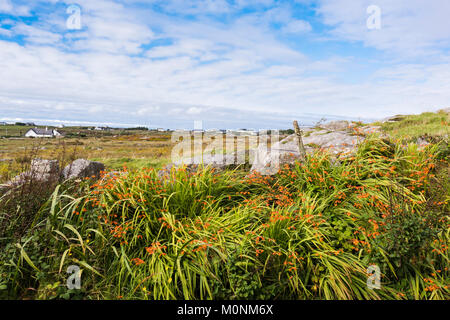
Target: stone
{"x":82,"y":168}
{"x":286,"y":151}
{"x":339,"y":125}
{"x":421,"y":142}
{"x":370,"y":129}
{"x":40,"y":171}
{"x":41,"y":167}
{"x":48,"y":171}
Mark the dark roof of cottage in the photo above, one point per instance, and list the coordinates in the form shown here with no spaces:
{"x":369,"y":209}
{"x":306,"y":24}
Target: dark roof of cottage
{"x":43,"y":131}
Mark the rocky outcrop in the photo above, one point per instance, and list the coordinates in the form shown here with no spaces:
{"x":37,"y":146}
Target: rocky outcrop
{"x":40,"y":171}
{"x":82,"y":168}
{"x":44,"y":167}
{"x":286,"y":151}
{"x":48,"y":171}
{"x":339,"y":125}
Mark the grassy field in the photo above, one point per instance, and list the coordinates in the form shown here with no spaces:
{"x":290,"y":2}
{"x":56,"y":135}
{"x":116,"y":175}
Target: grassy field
{"x":415,"y":126}
{"x":133,"y":150}
{"x":18,"y":131}
{"x":309,"y":232}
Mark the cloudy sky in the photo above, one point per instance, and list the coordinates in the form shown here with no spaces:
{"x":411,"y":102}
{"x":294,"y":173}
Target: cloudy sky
{"x":231,"y":63}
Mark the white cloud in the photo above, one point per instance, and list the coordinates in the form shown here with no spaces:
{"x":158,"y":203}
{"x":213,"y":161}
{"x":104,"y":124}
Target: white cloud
{"x":37,"y":35}
{"x":194,"y":110}
{"x":5,"y":32}
{"x":197,"y":7}
{"x":408,"y":27}
{"x":147,"y":111}
{"x":297,"y":26}
{"x":8,"y":7}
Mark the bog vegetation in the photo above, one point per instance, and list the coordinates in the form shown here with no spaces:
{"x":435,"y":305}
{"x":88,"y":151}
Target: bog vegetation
{"x":309,"y":232}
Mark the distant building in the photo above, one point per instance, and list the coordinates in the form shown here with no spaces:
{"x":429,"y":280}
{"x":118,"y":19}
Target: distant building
{"x":102,"y":128}
{"x":216,"y":131}
{"x":42,"y":133}
{"x":243,"y":132}
{"x":3,"y":123}
{"x":31,"y":124}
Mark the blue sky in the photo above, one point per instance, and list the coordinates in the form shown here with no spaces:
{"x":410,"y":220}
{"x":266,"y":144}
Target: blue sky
{"x":231,"y":63}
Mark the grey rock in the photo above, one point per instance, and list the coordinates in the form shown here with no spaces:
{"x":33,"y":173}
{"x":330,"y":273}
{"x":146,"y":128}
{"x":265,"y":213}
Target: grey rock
{"x":286,"y":151}
{"x":370,"y":129}
{"x":339,"y":125}
{"x":422,"y":142}
{"x":49,"y":171}
{"x":42,"y":167}
{"x":40,"y":171}
{"x":82,"y":168}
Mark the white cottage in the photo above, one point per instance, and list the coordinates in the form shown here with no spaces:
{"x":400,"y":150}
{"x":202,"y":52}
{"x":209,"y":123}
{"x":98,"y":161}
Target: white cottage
{"x":42,"y":133}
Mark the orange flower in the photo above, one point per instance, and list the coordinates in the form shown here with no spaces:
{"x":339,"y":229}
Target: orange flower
{"x":138,"y":261}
